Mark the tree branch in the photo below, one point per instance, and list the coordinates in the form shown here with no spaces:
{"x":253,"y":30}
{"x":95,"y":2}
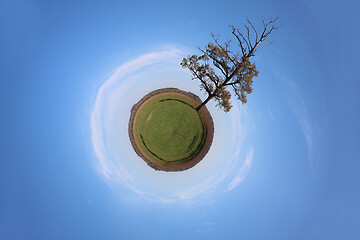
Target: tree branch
{"x":234,"y":66}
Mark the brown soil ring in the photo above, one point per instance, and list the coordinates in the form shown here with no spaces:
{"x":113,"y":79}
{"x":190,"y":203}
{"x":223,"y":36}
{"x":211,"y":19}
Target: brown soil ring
{"x":180,"y":166}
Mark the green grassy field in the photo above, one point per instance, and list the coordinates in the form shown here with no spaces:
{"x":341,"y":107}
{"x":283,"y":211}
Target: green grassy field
{"x":168,"y":129}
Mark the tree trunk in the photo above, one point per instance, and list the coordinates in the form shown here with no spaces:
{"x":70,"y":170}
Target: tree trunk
{"x":204,"y":102}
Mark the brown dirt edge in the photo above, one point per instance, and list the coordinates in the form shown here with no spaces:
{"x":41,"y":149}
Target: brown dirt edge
{"x":180,"y":166}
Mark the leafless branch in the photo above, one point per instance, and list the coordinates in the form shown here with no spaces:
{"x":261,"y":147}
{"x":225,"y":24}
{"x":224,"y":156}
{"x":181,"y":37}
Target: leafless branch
{"x":252,"y":26}
{"x":249,"y":51}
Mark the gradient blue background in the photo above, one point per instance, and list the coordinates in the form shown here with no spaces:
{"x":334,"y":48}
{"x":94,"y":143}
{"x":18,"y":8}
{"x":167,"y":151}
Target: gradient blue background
{"x":54,"y":56}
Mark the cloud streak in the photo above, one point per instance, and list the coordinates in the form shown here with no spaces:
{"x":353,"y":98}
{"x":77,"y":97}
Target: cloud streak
{"x":244,"y":170}
{"x":96,"y":119}
{"x":299,"y":108}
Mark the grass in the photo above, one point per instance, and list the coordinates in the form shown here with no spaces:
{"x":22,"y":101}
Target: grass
{"x":168,"y":129}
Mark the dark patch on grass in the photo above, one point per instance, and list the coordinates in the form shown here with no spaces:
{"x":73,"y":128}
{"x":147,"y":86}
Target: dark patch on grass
{"x":174,"y":99}
{"x":181,"y":160}
{"x":142,"y":139}
{"x":192,"y":143}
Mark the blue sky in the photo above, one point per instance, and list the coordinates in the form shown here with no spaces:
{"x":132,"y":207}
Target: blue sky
{"x":284,"y":166}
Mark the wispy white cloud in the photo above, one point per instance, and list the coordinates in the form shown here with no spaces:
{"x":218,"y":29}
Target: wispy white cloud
{"x":240,"y":123}
{"x":206,"y":227}
{"x":270,"y":114}
{"x":105,"y":163}
{"x":203,"y":189}
{"x":298,"y":106}
{"x":244,"y":170}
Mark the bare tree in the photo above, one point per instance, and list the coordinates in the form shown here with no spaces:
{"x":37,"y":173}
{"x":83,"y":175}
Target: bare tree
{"x":233,"y":67}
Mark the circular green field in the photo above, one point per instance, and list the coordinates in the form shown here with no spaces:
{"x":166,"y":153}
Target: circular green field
{"x":168,"y":129}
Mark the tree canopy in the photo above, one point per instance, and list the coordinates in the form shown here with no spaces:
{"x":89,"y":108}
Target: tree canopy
{"x":223,"y":67}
